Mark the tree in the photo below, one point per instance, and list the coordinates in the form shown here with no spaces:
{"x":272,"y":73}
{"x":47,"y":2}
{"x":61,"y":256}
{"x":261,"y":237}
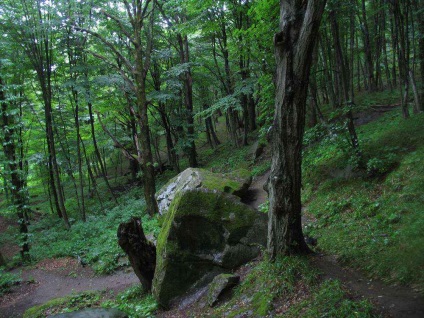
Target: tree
{"x":294,"y":44}
{"x":11,"y":140}
{"x":136,"y":27}
{"x":32,"y":23}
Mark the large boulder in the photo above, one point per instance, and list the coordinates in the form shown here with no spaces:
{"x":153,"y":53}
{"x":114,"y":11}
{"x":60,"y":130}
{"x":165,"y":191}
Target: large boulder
{"x":236,"y":182}
{"x":205,"y":232}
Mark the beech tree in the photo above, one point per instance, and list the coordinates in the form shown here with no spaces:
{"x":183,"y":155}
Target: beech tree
{"x":294,"y":44}
{"x":136,"y":27}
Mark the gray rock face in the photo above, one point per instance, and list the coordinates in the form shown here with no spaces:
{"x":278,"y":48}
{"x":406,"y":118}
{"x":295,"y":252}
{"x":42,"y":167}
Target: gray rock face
{"x":205,"y":233}
{"x":93,"y":313}
{"x":235,"y":183}
{"x":220,"y":284}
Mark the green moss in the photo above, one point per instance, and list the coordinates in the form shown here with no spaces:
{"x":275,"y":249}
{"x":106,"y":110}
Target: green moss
{"x":200,"y":216}
{"x":64,"y":304}
{"x":231,"y":182}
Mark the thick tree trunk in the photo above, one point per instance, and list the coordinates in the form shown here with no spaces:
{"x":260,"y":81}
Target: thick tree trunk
{"x":142,"y":61}
{"x":294,"y":44}
{"x":140,"y":251}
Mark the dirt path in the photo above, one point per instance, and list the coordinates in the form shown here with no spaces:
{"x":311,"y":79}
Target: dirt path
{"x":58,"y":278}
{"x":394,"y":301}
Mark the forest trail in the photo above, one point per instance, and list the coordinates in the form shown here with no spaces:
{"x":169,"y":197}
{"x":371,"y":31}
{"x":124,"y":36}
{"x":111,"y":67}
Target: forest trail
{"x":56,"y":278}
{"x":62,"y":277}
{"x":391,"y":301}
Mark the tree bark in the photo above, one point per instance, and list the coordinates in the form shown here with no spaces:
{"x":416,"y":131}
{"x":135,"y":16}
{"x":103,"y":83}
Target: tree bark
{"x":294,"y":44}
{"x":140,"y":251}
{"x":16,"y":175}
{"x":184,"y":52}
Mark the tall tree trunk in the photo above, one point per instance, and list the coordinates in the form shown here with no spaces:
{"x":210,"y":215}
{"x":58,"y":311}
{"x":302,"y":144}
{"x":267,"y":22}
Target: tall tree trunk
{"x":294,"y":44}
{"x":342,"y":69}
{"x":368,"y":49}
{"x":190,"y":149}
{"x":97,"y":152}
{"x":79,"y":156}
{"x":15,"y":174}
{"x":401,"y":37}
{"x":142,"y":64}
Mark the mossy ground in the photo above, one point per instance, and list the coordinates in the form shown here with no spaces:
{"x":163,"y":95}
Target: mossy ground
{"x":132,"y":302}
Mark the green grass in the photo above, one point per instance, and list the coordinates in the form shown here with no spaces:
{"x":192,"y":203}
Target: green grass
{"x":373,"y":220}
{"x":7,"y":280}
{"x":65,"y":304}
{"x":93,"y":241}
{"x":132,"y":301}
{"x":290,"y":287}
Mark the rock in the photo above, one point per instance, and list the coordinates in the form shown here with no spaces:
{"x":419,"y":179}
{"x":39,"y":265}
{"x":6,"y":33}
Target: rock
{"x":220,"y":284}
{"x":205,"y":233}
{"x":235,"y":183}
{"x":93,"y":313}
{"x":257,"y":149}
{"x":141,"y":252}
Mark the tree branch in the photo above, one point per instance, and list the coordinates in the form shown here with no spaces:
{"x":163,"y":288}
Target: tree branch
{"x":109,"y":45}
{"x":120,"y":25}
{"x":125,"y":151}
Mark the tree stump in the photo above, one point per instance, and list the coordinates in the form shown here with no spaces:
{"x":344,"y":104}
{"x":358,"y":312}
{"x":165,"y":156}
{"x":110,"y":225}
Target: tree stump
{"x":140,"y":251}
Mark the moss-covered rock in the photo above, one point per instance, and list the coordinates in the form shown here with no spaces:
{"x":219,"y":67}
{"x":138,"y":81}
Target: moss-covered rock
{"x":221,"y":283}
{"x":205,"y":232}
{"x":236,"y":182}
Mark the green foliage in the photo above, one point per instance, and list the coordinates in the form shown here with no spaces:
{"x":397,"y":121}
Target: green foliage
{"x":292,"y":281}
{"x":134,"y":303}
{"x":65,"y":304}
{"x":225,"y":158}
{"x":7,"y":280}
{"x":131,"y":301}
{"x":93,"y":241}
{"x":374,"y":223}
{"x":330,"y":300}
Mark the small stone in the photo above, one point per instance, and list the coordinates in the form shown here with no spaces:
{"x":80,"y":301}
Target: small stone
{"x":220,"y":284}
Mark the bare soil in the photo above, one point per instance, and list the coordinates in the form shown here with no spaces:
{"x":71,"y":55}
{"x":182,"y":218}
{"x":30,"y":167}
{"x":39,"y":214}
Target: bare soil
{"x":56,"y":278}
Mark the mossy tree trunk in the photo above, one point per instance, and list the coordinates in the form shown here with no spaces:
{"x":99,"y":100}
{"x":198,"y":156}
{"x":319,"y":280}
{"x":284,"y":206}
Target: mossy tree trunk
{"x":294,"y":44}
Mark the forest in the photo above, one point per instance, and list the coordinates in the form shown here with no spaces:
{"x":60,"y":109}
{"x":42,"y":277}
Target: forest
{"x":227,"y":158}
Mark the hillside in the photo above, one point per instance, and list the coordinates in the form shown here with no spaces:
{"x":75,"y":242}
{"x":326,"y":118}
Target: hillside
{"x":369,"y":219}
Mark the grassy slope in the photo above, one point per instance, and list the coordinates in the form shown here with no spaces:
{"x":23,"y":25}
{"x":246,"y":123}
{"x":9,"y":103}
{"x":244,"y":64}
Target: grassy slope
{"x":373,"y":221}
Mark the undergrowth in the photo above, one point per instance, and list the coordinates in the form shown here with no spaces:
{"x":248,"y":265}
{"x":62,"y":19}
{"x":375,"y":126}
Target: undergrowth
{"x":290,"y":287}
{"x":7,"y":280}
{"x":372,"y":218}
{"x":134,"y":303}
{"x":93,"y":242}
{"x":131,"y":301}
